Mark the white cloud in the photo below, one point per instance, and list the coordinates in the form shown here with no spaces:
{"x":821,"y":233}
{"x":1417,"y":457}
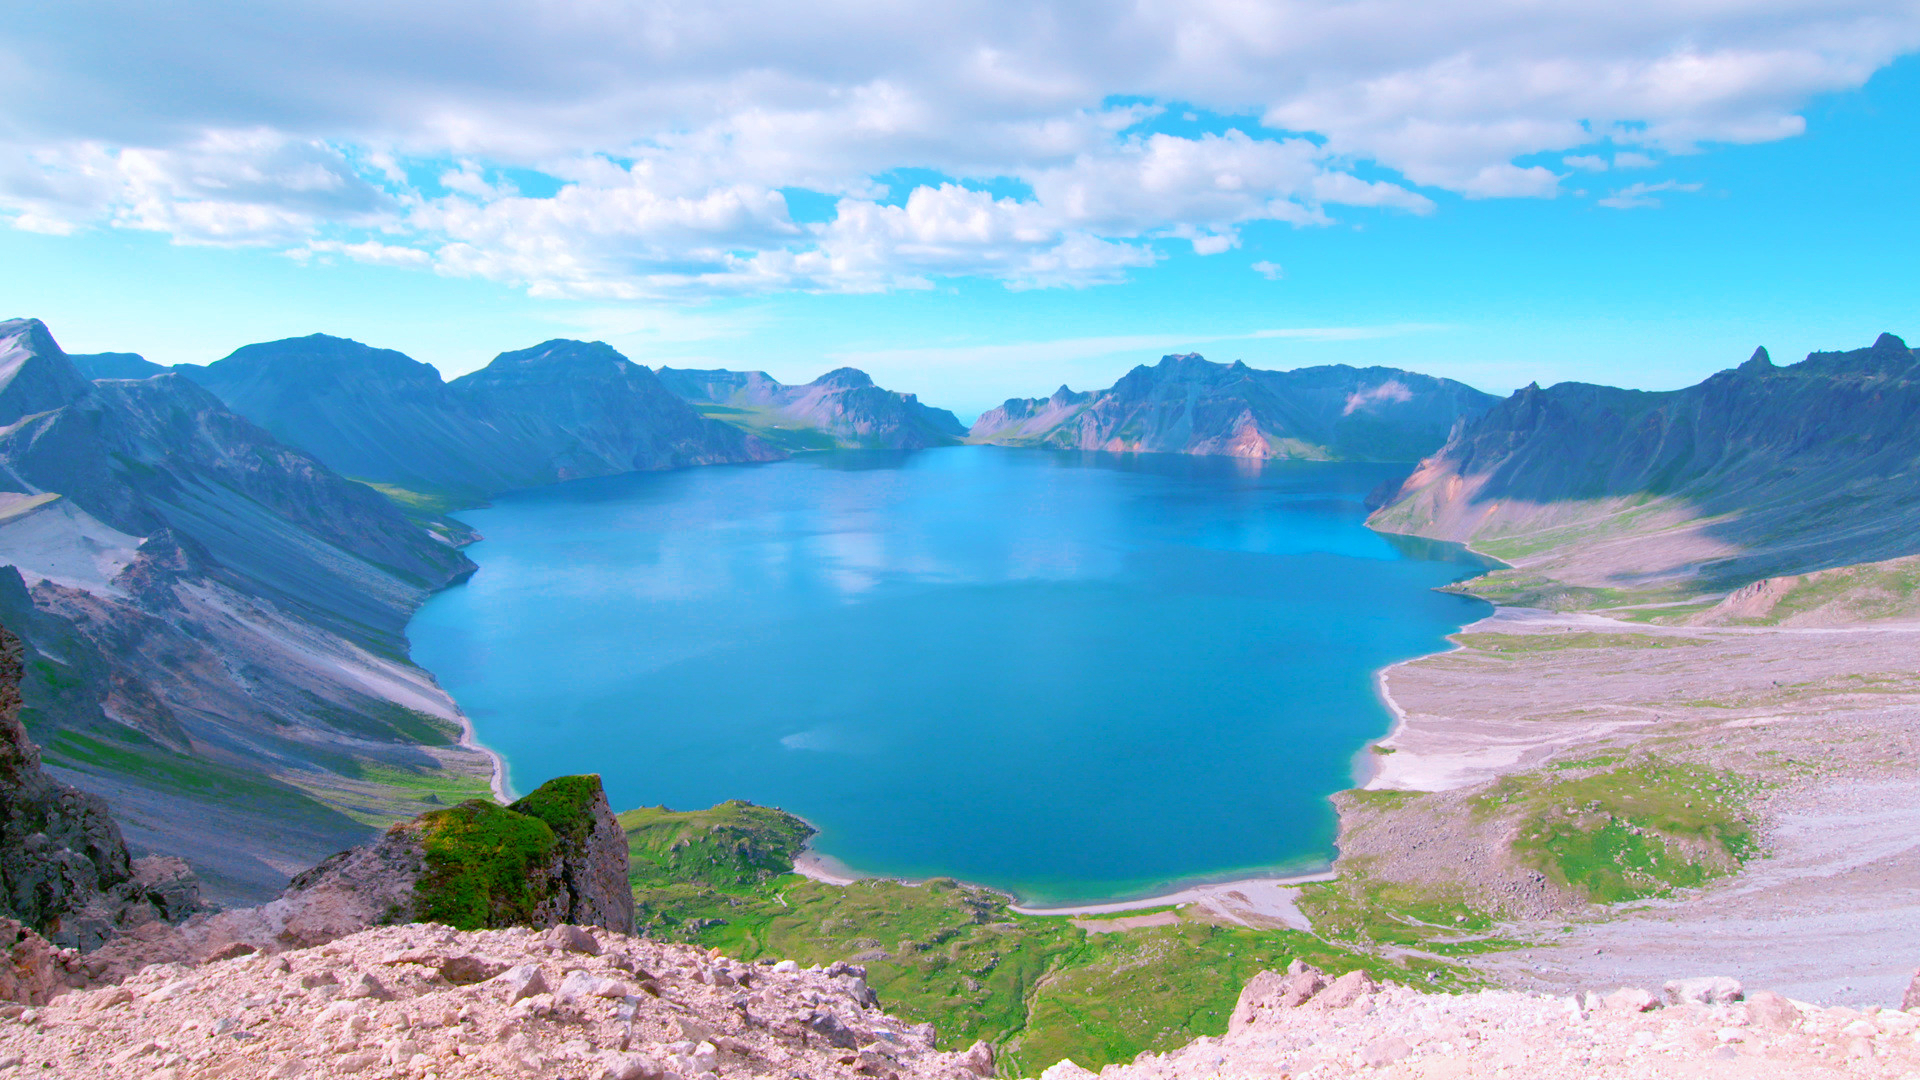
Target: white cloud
{"x":673,"y":128}
{"x":1636,"y":196}
{"x":1270,"y":271}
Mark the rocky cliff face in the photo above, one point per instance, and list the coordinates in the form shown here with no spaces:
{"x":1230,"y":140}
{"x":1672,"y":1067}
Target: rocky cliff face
{"x":1756,"y":471}
{"x":1188,"y":405}
{"x":64,"y":869}
{"x":212,"y":622}
{"x":844,"y":404}
{"x":560,"y":410}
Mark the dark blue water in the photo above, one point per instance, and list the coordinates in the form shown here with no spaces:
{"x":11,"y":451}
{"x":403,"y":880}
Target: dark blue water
{"x":1075,"y":676}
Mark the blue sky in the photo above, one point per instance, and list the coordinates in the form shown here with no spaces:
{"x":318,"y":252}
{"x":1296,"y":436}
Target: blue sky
{"x":975,"y":202}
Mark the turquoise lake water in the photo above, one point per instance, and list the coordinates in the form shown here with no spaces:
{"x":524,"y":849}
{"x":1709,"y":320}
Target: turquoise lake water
{"x":1074,"y":676}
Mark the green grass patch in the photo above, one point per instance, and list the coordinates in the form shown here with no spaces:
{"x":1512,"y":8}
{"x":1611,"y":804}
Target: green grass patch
{"x":1632,"y":832}
{"x":787,"y":434}
{"x":1038,"y":987}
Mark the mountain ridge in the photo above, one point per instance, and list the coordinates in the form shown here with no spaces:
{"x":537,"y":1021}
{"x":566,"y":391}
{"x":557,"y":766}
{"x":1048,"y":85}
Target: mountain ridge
{"x":380,"y":416}
{"x":1190,"y":405}
{"x":1754,"y":471}
{"x":844,"y":404}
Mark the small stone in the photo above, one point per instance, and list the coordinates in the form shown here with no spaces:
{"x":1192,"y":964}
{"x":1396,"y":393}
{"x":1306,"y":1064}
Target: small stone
{"x":1346,"y":990}
{"x":1385,"y":1052}
{"x":1771,"y":1011}
{"x":1860,"y":1029}
{"x":367,"y":987}
{"x":232,"y":950}
{"x":359,"y":1062}
{"x":1631,"y":999}
{"x":786,"y":967}
{"x":1066,"y":1070}
{"x":522,"y":982}
{"x":832,"y":1029}
{"x":570,"y":938}
{"x":318,"y":978}
{"x":467,"y":970}
{"x":289,"y":1070}
{"x":620,"y":1066}
{"x":1708,"y":990}
{"x":580,"y":984}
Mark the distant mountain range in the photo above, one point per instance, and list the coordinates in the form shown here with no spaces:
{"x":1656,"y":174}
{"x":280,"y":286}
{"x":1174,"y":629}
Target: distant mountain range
{"x":839,"y":409}
{"x":1758,"y":470}
{"x":1186,"y":404}
{"x":558,"y":411}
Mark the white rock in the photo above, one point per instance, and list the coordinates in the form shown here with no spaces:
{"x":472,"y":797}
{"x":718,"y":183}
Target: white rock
{"x":582,"y":984}
{"x":1631,"y":999}
{"x":522,"y":981}
{"x":1707,"y":990}
{"x":786,"y":967}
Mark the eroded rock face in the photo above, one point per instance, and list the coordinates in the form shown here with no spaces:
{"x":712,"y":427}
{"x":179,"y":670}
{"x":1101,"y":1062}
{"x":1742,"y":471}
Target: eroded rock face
{"x":64,"y":869}
{"x":587,"y":874}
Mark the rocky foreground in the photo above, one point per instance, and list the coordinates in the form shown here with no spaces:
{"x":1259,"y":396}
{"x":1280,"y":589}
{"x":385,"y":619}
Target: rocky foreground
{"x":1300,"y":1025}
{"x":423,"y":1001}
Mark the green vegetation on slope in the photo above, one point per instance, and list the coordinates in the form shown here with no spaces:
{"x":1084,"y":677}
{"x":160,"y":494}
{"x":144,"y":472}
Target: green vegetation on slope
{"x":786,"y":433}
{"x":1640,"y":830}
{"x":1039,"y":987}
{"x":481,"y":863}
{"x":486,"y":862}
{"x":1515,"y":644}
{"x":565,"y":803}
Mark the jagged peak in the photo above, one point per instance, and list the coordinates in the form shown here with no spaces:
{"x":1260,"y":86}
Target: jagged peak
{"x":1759,"y":361}
{"x":35,"y":374}
{"x":1890,"y":346}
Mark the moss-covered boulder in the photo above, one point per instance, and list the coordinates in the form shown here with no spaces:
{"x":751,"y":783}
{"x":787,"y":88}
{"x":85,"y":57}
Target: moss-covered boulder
{"x":556,"y":856}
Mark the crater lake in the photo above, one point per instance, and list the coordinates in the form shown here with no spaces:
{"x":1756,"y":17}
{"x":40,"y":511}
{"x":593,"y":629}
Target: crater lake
{"x":1074,"y":676}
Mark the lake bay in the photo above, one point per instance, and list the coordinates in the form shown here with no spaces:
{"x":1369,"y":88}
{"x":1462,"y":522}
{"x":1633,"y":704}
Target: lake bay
{"x":1074,"y":676}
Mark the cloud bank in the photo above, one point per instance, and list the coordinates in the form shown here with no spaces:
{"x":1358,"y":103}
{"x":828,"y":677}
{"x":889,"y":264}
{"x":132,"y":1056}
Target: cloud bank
{"x":591,"y":148}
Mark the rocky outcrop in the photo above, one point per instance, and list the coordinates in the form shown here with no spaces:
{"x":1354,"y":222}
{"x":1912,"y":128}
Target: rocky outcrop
{"x":65,"y":871}
{"x":555,"y":857}
{"x":843,"y":404}
{"x":414,"y":1000}
{"x":560,"y":410}
{"x":1188,"y":405}
{"x":206,"y":613}
{"x":1756,"y":472}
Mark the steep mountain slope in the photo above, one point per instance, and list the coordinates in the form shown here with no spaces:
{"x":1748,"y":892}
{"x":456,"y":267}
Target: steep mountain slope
{"x":115,"y":365}
{"x":1758,"y":470}
{"x":1188,"y":405}
{"x":843,"y":405}
{"x":213,"y":622}
{"x":561,"y":410}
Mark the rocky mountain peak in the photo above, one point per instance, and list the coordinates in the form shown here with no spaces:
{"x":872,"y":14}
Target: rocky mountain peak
{"x":1759,"y":361}
{"x":35,"y":375}
{"x":1890,"y":349}
{"x":295,"y":369}
{"x":846,"y":378}
{"x":559,"y":357}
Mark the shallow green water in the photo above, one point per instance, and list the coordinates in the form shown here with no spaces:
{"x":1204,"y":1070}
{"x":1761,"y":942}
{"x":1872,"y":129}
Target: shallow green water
{"x":1075,"y":676}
